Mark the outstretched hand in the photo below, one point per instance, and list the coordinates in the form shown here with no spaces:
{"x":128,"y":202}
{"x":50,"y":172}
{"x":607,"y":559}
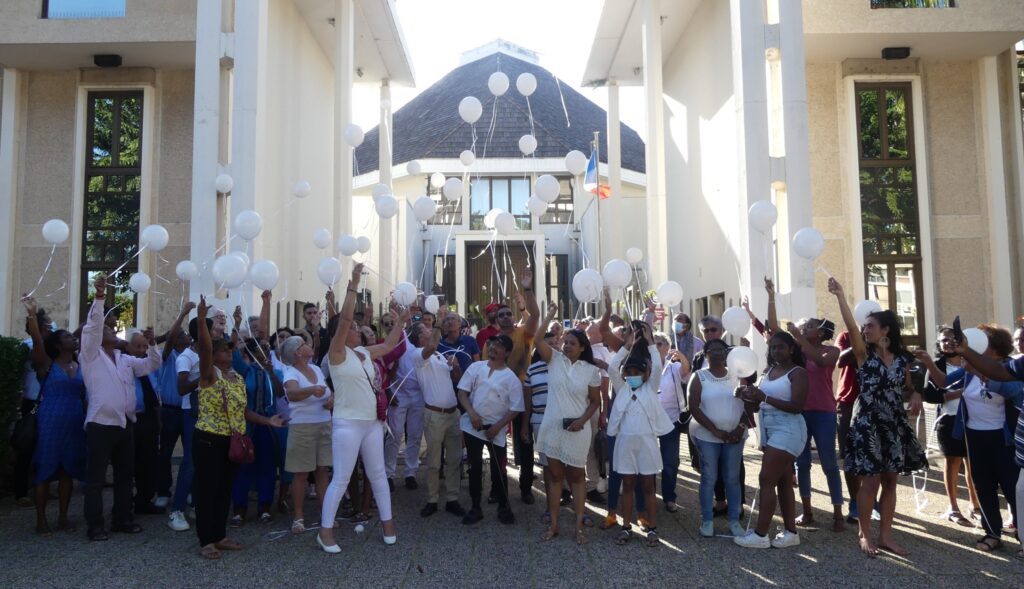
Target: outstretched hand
{"x":202,"y":309}
{"x":834,"y":287}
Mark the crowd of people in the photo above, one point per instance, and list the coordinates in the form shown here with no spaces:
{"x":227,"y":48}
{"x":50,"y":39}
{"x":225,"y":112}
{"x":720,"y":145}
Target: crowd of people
{"x":600,"y":404}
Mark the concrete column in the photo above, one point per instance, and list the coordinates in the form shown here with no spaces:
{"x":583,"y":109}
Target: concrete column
{"x":205,"y":141}
{"x":11,"y":120}
{"x":385,"y":233}
{"x":344,"y":67}
{"x":612,"y":207}
{"x":654,"y":151}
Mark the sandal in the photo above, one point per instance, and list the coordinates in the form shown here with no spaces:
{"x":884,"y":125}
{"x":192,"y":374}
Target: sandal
{"x":609,"y":522}
{"x":298,"y":526}
{"x":958,"y":518}
{"x":209,"y":552}
{"x":546,"y":518}
{"x":548,"y":535}
{"x":581,"y":538}
{"x":588,"y":522}
{"x":623,"y":537}
{"x":988,"y":543}
{"x":652,"y":538}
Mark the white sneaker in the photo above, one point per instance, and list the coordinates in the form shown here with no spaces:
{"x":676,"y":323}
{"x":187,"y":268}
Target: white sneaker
{"x":177,"y":522}
{"x":162,"y":502}
{"x":602,"y":486}
{"x":752,"y":540}
{"x":785,"y":539}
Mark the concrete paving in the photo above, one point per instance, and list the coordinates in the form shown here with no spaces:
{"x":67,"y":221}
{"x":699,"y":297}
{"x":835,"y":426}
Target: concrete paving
{"x":440,"y":552}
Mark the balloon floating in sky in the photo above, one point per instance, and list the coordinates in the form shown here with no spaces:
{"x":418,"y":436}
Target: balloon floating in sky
{"x":154,"y":237}
{"x":354,"y":135}
{"x":497,"y":83}
{"x":576,"y":162}
{"x":56,"y":231}
{"x":526,"y":83}
{"x":470,"y":109}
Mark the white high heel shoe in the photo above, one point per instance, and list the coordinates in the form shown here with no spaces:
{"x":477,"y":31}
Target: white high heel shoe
{"x":332,"y":549}
{"x":390,"y":540}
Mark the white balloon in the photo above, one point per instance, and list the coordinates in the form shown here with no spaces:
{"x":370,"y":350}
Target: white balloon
{"x":864,"y":308}
{"x":527,"y":144}
{"x":536,"y":205}
{"x":248,"y":224}
{"x":348,"y":245}
{"x":154,"y":237}
{"x":139,"y":282}
{"x":547,"y":188}
{"x":497,"y":83}
{"x":322,"y":238}
{"x":186,"y":270}
{"x":437,"y":180}
{"x":634,"y":255}
{"x":490,"y":217}
{"x":424,"y":209}
{"x":736,"y":321}
{"x":405,"y":293}
{"x":414,"y":168}
{"x":808,"y":243}
{"x":742,"y":361}
{"x":977,"y":339}
{"x":762,"y":215}
{"x":526,"y":83}
{"x":467,"y":157}
{"x":242,"y":256}
{"x":470,"y":109}
{"x":302,"y":189}
{"x":224,"y":183}
{"x":229,"y":271}
{"x":380,"y":190}
{"x":617,"y":274}
{"x":505,"y":223}
{"x":363,"y":243}
{"x":432,"y":304}
{"x":56,"y":231}
{"x":386,"y":206}
{"x":354,"y":135}
{"x":453,"y":189}
{"x":576,"y":162}
{"x":264,"y":274}
{"x":587,"y":285}
{"x":670,"y":293}
{"x":329,"y":271}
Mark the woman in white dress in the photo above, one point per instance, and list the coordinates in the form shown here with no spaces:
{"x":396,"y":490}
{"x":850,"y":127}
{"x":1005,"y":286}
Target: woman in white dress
{"x":574,"y":394}
{"x":636,"y":421}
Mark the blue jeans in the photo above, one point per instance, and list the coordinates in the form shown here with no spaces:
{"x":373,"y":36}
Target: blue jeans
{"x":262,"y":472}
{"x":669,"y":444}
{"x":184,"y":485}
{"x":615,"y":483}
{"x":821,"y":425}
{"x":715,"y":457}
{"x":172,"y":421}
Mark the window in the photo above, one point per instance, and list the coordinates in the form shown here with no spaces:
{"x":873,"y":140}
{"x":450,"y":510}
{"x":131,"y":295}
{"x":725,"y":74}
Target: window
{"x":80,"y":9}
{"x":913,"y":3}
{"x":890,"y":220}
{"x":560,"y":211}
{"x":507,"y":194}
{"x":444,"y":279}
{"x":449,"y":212}
{"x":113,"y":176}
{"x":557,"y":273}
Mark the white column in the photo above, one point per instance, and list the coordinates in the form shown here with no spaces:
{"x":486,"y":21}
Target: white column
{"x":995,"y":184}
{"x":344,"y":66}
{"x":384,"y":245}
{"x":612,"y":213}
{"x":205,"y":141}
{"x":11,"y":104}
{"x":654,"y":151}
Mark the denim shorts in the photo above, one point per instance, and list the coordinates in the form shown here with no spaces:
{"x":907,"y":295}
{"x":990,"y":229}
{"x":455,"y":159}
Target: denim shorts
{"x":783,"y":431}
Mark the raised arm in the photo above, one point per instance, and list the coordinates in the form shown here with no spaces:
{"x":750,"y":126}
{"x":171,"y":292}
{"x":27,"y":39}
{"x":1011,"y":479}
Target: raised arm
{"x":41,"y":361}
{"x":542,"y":347}
{"x":394,"y":340}
{"x":204,"y":345}
{"x":172,"y":335}
{"x":92,"y":331}
{"x":860,"y":350}
{"x":772,"y":323}
{"x":336,"y":352}
{"x":431,"y":346}
{"x":532,"y":310}
{"x":984,"y":365}
{"x":824,"y":356}
{"x":264,"y":321}
{"x":604,"y":326}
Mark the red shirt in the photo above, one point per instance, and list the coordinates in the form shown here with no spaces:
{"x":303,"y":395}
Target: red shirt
{"x":485,"y":334}
{"x":848,"y":386}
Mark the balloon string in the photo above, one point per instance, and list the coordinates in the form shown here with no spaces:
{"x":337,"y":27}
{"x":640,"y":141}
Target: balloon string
{"x":558,"y":85}
{"x":493,"y":124}
{"x":49,"y":262}
{"x":62,"y":287}
{"x":529,"y":110}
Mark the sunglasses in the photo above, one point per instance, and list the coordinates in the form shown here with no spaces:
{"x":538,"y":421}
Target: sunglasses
{"x":505,"y":314}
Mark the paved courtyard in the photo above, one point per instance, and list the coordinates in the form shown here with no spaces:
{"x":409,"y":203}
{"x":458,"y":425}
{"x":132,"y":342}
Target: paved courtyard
{"x":441,"y":552}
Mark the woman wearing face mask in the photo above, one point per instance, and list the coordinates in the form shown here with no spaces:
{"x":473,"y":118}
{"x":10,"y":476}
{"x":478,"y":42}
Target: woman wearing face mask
{"x":781,"y":393}
{"x":636,"y":421}
{"x":881,"y":445}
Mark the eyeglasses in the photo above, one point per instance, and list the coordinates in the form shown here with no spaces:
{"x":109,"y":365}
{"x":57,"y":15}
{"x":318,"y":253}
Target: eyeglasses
{"x":505,"y":314}
{"x":660,"y":344}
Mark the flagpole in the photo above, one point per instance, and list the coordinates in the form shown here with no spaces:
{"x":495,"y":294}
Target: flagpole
{"x":597,"y":196}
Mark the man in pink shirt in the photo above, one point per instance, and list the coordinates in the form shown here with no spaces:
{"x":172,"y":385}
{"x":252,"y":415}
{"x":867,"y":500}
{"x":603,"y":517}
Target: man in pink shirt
{"x":110,"y":389}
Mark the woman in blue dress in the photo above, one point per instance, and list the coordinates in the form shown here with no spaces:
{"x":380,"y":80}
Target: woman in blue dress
{"x":60,"y":418}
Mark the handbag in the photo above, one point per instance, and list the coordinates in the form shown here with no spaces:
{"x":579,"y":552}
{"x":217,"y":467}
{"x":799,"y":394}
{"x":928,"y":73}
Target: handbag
{"x":380,"y":397}
{"x":26,"y":429}
{"x":241,"y":449}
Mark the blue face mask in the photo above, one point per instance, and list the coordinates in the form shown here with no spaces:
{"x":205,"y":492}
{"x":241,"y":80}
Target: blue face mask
{"x":678,"y":326}
{"x":635,"y":382}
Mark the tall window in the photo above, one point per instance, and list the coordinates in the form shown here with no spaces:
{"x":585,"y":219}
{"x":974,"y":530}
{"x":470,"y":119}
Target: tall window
{"x":77,"y":9}
{"x":557,"y":272}
{"x":113,"y":176}
{"x":560,"y":211}
{"x":508,"y":194}
{"x":444,"y":278}
{"x":448,"y":211}
{"x":890,"y":219}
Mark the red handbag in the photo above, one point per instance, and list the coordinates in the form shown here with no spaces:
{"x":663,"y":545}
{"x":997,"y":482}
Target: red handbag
{"x":241,"y":449}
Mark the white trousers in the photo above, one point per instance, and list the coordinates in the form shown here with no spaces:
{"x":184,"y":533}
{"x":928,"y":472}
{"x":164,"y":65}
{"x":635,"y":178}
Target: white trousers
{"x":352,"y":439}
{"x":407,"y":419}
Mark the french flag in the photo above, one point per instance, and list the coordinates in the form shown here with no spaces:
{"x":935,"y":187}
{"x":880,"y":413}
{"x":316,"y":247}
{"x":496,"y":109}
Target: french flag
{"x":591,"y":182}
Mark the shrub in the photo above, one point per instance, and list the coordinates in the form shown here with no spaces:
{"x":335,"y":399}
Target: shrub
{"x":12,"y":371}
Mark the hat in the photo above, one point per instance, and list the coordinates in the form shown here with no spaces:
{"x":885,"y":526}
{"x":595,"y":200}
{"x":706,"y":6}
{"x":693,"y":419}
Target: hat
{"x":502,"y":340}
{"x":492,"y":308}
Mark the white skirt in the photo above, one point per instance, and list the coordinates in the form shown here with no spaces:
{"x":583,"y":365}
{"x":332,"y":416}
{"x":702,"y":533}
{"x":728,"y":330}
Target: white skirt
{"x":637,"y":454}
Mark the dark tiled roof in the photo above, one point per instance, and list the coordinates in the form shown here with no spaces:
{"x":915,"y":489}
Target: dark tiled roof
{"x":429,"y":126}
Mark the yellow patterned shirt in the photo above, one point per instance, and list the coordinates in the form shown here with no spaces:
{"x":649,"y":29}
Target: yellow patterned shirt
{"x":212,"y":418}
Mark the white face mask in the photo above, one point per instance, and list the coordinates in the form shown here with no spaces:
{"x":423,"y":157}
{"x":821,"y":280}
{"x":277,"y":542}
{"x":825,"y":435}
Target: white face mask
{"x":678,"y":326}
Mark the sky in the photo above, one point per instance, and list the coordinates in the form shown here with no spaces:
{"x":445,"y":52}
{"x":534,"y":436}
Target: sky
{"x":437,"y":32}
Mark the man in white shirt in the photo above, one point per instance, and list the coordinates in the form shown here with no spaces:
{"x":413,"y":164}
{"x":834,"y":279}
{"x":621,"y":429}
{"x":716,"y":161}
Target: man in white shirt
{"x":441,"y":418}
{"x":407,"y":417}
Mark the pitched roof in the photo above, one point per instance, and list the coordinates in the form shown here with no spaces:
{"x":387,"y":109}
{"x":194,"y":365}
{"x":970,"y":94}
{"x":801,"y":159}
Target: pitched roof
{"x":429,"y":126}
